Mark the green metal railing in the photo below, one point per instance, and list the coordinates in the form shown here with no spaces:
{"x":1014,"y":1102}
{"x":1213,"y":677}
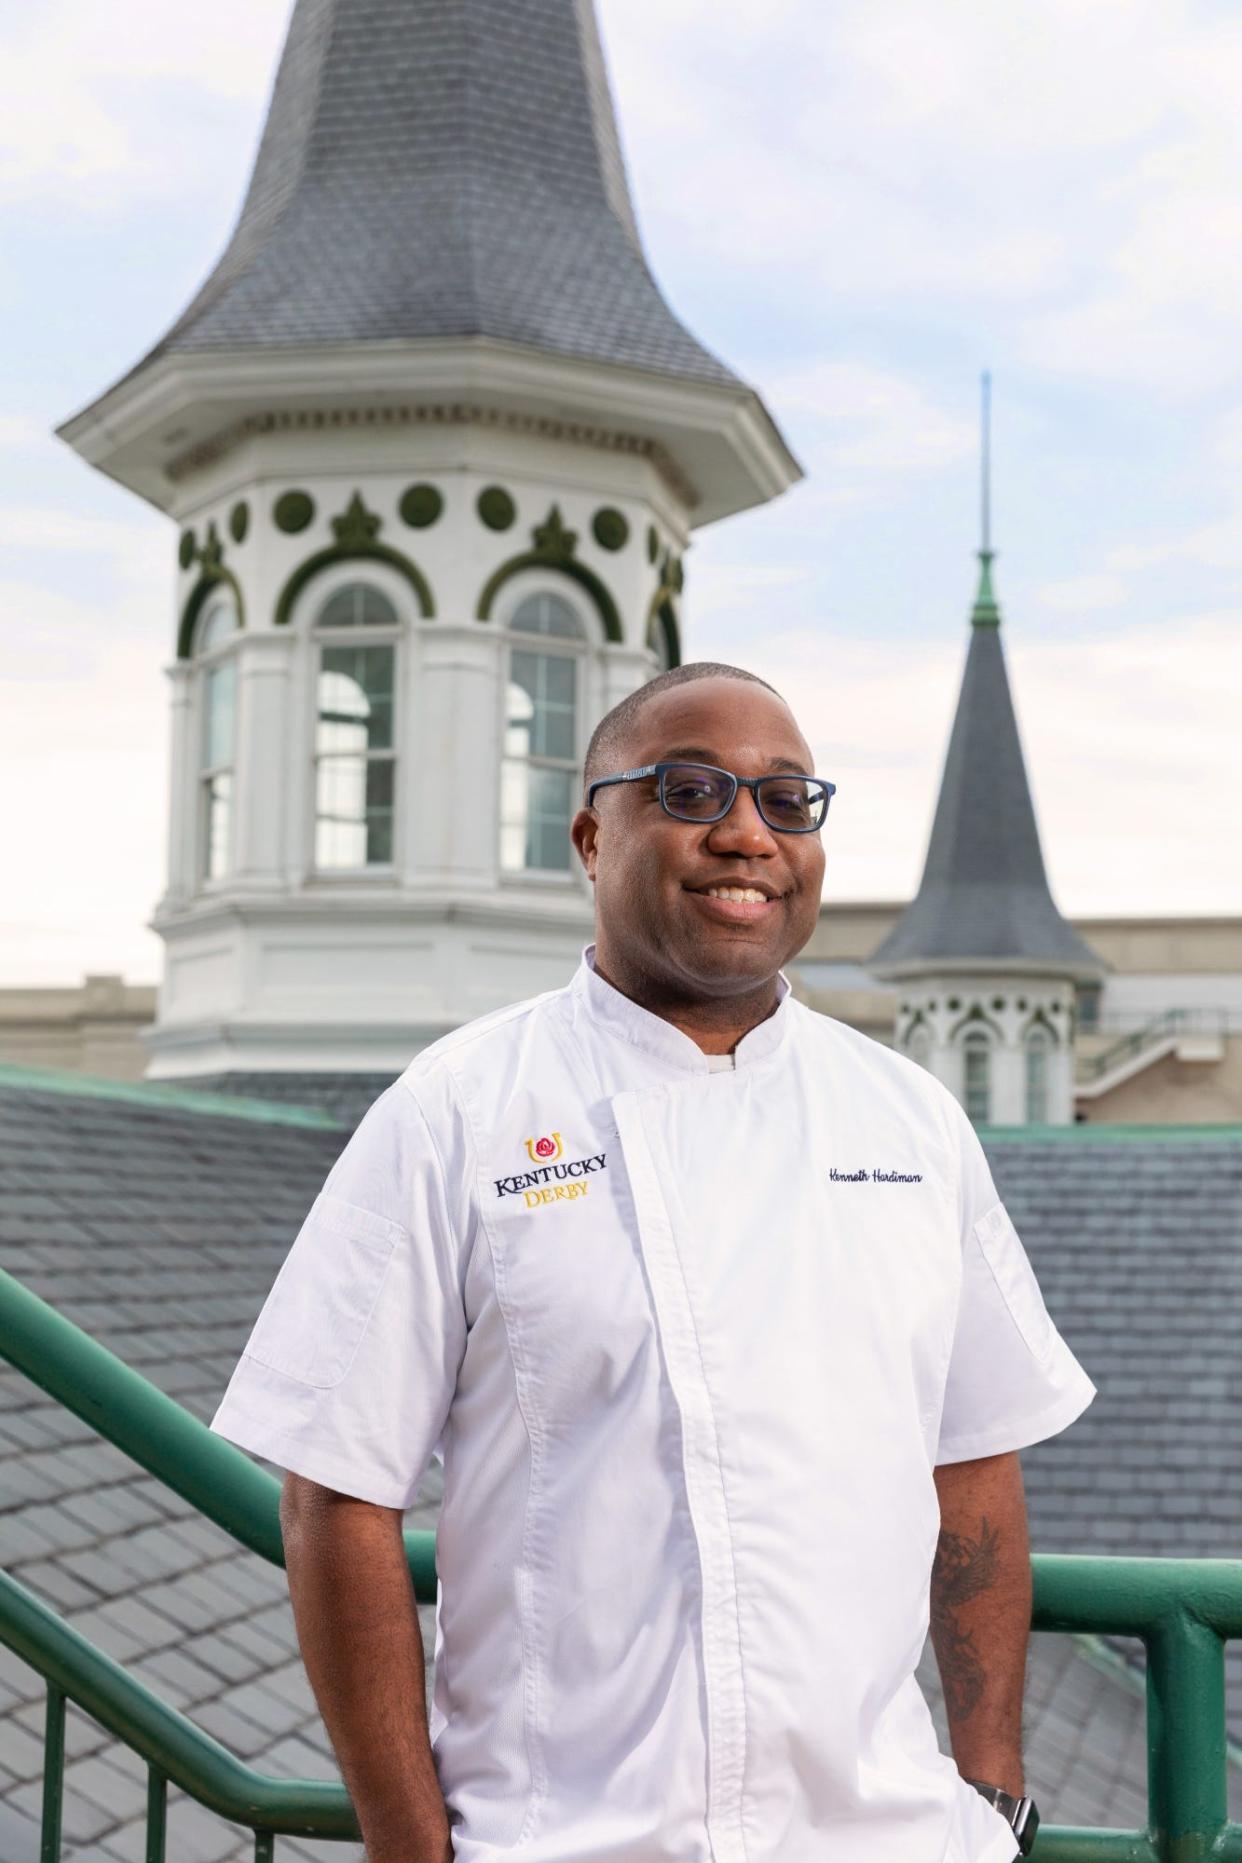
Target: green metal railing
{"x":1182,"y":1610}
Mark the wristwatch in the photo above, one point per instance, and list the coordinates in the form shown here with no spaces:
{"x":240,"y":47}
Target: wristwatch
{"x":1020,"y":1813}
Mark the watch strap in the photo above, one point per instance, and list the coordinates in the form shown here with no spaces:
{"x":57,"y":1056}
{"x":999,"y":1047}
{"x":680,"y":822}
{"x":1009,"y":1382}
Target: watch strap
{"x":1019,"y":1813}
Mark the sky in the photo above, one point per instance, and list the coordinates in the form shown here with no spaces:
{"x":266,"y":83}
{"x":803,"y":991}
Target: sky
{"x":860,"y":206}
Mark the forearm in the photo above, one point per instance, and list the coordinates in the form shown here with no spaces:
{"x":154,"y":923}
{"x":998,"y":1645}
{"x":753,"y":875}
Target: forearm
{"x":981,"y":1615}
{"x":357,"y":1624}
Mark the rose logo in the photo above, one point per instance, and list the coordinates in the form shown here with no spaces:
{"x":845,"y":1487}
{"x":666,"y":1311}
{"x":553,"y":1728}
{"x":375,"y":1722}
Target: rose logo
{"x":546,"y":1149}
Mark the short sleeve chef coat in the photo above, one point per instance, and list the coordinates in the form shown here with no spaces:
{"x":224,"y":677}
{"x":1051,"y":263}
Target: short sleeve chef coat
{"x":690,"y":1343}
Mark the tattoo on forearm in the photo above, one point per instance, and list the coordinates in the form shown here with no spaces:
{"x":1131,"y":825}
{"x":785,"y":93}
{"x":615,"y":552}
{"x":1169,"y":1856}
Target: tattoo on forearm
{"x":963,"y":1568}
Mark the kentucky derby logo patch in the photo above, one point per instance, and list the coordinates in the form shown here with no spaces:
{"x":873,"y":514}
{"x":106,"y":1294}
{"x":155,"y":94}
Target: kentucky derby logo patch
{"x":555,"y":1179}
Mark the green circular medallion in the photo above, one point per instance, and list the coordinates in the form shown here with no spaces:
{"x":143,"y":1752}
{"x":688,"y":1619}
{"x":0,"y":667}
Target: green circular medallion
{"x":239,"y":521}
{"x":293,"y":511}
{"x":610,"y":528}
{"x":420,"y":506}
{"x":186,"y":548}
{"x":496,"y":508}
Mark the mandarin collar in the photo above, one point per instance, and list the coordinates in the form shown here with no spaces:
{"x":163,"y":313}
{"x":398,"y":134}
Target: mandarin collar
{"x":622,"y":1017}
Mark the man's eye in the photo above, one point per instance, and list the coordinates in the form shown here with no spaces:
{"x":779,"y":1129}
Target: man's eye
{"x":689,"y":792}
{"x":791,"y":801}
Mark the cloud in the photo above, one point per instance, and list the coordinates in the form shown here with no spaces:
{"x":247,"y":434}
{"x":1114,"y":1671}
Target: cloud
{"x":866,"y":420}
{"x":1131,"y":744}
{"x":1080,"y":594}
{"x":102,"y":104}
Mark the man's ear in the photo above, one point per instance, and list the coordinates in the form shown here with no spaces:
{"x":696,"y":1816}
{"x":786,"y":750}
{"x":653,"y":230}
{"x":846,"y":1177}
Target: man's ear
{"x":584,"y":833}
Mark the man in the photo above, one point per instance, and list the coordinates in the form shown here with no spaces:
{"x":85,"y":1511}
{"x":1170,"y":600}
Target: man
{"x":711,"y":1308}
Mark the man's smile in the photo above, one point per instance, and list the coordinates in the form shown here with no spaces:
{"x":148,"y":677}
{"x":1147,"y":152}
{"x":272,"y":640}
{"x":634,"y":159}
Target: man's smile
{"x":737,"y":902}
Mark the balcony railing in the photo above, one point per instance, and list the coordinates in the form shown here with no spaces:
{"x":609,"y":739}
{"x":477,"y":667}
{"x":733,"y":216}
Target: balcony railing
{"x":1182,"y":1610}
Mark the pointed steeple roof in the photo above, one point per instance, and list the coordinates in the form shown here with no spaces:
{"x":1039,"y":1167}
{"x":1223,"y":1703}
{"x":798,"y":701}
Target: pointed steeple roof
{"x":441,"y":170}
{"x":984,"y":897}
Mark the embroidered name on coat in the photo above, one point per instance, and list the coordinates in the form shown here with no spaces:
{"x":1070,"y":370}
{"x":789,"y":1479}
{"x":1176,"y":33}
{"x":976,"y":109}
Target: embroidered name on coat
{"x":876,"y":1176}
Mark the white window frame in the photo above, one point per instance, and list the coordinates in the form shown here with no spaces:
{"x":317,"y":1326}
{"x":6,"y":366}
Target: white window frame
{"x":319,"y":593}
{"x":584,"y":650}
{"x":1038,"y":1041}
{"x":976,"y":1041}
{"x":206,"y":662}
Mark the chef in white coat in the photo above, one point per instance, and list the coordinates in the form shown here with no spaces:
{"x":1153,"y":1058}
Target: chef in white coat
{"x":728,"y":1345}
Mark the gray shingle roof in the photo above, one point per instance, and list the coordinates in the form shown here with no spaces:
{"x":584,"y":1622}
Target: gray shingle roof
{"x":441,"y":171}
{"x":984,"y":892}
{"x":160,"y":1228}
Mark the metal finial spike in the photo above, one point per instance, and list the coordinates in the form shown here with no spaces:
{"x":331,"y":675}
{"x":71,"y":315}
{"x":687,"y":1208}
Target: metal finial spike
{"x":986,"y":463}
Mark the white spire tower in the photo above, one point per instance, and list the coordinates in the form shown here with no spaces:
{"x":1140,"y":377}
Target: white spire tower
{"x":435,"y":446}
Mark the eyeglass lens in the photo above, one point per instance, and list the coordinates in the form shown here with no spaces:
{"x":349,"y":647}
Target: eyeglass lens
{"x":695,"y":793}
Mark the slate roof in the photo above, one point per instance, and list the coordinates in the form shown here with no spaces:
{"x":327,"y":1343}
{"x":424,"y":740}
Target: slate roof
{"x":984,"y":892}
{"x":158,"y":1219}
{"x":441,"y":171}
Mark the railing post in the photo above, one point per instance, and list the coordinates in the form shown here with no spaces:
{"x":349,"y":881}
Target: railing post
{"x":53,"y":1776}
{"x":1185,"y":1738}
{"x":157,"y":1814}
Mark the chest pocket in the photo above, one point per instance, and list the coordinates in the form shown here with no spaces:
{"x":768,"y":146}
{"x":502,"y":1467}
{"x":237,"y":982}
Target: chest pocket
{"x":318,"y":1311}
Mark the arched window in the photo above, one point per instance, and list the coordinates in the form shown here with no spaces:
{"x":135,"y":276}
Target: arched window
{"x":216,"y":626}
{"x":1037,"y":1047}
{"x":541,"y":738}
{"x":977,"y":1077}
{"x":355,"y":743}
{"x":918,"y":1044}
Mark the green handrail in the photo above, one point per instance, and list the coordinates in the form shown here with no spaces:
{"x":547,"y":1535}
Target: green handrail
{"x":170,"y":1743}
{"x":156,"y":1432}
{"x":1182,"y":1610}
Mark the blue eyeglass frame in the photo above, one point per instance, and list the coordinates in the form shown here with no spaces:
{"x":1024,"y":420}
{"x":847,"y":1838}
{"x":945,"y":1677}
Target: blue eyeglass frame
{"x":753,"y":783}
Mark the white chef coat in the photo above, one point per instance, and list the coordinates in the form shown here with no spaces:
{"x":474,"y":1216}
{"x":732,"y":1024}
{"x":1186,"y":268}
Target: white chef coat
{"x":690,"y":1342}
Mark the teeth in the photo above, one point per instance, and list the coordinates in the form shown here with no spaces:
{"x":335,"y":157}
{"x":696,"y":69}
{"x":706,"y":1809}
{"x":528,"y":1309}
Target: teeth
{"x":743,"y":894}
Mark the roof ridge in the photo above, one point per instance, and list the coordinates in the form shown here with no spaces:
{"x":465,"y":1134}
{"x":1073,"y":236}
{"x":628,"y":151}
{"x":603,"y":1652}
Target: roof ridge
{"x":1225,"y":1132}
{"x":161,"y":1098}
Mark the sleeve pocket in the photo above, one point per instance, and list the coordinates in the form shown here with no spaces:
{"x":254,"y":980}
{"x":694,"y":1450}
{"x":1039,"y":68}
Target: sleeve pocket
{"x":1015,"y":1280}
{"x":317,"y":1313}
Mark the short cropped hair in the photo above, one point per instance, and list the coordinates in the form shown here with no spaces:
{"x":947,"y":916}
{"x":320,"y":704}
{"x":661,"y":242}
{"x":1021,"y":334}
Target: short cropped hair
{"x":607,"y":746}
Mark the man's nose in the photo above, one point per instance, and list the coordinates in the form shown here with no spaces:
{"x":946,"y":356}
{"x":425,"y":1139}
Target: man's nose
{"x":743,"y":830}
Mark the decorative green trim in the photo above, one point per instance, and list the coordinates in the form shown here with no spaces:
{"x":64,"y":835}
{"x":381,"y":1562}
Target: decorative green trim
{"x":976,"y":1015}
{"x":211,"y":556}
{"x":213,"y":572}
{"x":495,"y":507}
{"x":187,"y":548}
{"x":356,"y":528}
{"x":554,"y":550}
{"x":293,"y":511}
{"x":986,"y":611}
{"x":340,"y":553}
{"x":610,"y":528}
{"x":239,"y":521}
{"x":653,"y":543}
{"x":665,"y":619}
{"x":420,"y":506}
{"x":1040,"y":1021}
{"x":661,"y":607}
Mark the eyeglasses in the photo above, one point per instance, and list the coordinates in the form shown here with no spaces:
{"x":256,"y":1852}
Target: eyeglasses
{"x":699,"y":792}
